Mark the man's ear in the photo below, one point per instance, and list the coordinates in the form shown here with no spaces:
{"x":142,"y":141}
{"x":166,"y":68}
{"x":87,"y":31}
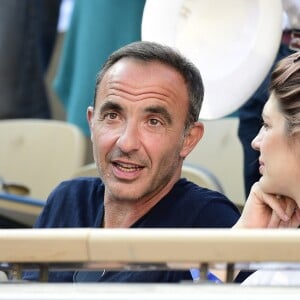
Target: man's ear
{"x":90,"y":119}
{"x":191,"y":139}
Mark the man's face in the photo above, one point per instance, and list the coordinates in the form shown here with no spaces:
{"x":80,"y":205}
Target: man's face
{"x":137,"y":129}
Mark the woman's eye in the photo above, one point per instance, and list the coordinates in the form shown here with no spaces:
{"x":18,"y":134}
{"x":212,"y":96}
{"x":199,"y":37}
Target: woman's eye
{"x":265,"y":125}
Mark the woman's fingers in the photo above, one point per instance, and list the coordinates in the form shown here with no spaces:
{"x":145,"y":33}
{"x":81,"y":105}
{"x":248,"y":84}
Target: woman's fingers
{"x":278,"y":206}
{"x":290,"y":207}
{"x":290,"y":210}
{"x":295,"y":218}
{"x":274,"y":221}
{"x":297,"y":214}
{"x":268,"y":210}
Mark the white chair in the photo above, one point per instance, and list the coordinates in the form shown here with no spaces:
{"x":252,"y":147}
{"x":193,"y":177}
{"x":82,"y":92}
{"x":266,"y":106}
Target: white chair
{"x":220,"y":151}
{"x":3,"y":277}
{"x":201,"y":176}
{"x":89,"y":170}
{"x":36,"y":155}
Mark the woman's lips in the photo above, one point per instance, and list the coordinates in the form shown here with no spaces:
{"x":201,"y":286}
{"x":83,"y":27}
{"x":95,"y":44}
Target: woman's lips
{"x":261,"y":167}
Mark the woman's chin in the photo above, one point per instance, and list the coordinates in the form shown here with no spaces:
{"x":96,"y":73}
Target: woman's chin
{"x":266,"y":185}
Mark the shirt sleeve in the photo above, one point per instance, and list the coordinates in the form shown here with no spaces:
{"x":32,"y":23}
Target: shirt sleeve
{"x":219,"y":213}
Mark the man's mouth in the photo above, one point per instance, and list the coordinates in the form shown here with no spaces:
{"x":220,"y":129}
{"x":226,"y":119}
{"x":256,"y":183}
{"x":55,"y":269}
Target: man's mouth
{"x":127,"y":167}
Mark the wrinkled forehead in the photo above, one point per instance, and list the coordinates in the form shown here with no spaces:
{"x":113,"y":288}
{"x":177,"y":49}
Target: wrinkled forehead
{"x":136,"y":67}
{"x":135,"y":77}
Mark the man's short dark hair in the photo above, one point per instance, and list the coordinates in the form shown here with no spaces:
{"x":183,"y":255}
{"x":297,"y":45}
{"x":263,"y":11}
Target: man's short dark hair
{"x":150,"y":51}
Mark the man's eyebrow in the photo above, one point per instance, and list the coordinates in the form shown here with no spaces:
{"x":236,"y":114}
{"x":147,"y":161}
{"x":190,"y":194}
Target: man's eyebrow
{"x":160,"y":111}
{"x":109,"y":105}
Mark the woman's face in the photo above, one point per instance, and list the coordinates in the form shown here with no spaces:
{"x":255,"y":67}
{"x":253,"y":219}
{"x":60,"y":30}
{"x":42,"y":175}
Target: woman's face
{"x":279,"y":158}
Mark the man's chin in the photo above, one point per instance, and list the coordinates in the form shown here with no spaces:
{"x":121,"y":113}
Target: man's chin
{"x":125,"y":195}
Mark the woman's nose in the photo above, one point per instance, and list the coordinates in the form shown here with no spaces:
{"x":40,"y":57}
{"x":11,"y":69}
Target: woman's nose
{"x":255,"y":144}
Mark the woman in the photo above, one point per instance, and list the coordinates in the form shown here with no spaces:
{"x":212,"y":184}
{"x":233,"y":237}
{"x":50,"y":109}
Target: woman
{"x":279,"y":145}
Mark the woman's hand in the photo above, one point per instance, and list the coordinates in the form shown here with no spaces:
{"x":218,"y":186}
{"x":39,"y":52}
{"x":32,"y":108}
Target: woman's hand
{"x":268,"y":211}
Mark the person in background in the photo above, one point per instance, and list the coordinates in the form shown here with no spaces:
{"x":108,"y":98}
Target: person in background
{"x":250,"y":113}
{"x":144,"y":123}
{"x":96,"y":29}
{"x":278,"y":145}
{"x":27,"y":36}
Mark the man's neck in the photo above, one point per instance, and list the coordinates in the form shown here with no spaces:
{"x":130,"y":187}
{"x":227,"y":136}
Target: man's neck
{"x":121,"y":213}
{"x":124,"y":214}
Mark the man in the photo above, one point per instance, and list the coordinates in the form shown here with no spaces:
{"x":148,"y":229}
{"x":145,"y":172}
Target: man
{"x":144,"y":122}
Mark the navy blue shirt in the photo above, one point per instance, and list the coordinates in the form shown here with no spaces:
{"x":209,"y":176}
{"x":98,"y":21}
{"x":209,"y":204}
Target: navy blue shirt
{"x":79,"y":203}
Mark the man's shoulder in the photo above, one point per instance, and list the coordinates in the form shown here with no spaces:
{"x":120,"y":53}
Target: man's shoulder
{"x":194,"y":192}
{"x":204,"y":207}
{"x":73,"y":203}
{"x":80,"y":193}
{"x":79,"y":184}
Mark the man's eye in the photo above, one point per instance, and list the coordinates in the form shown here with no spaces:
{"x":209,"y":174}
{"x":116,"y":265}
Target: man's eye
{"x":111,"y":116}
{"x":154,"y":122}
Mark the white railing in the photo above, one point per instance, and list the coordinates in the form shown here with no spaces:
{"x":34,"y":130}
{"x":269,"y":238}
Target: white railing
{"x":136,"y":248}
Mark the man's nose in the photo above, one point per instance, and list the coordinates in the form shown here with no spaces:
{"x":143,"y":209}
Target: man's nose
{"x":129,"y":139}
